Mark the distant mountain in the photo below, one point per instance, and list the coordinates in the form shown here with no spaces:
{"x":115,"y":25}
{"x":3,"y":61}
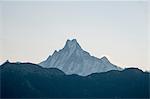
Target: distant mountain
{"x":72,"y":59}
{"x":26,"y":80}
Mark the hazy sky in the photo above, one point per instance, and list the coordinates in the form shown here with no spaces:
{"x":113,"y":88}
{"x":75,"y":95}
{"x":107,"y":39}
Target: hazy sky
{"x":31,"y":31}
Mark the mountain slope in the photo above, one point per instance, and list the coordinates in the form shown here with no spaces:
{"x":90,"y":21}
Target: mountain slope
{"x":72,"y":59}
{"x":25,"y":80}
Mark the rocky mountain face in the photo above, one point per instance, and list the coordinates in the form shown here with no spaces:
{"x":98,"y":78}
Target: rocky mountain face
{"x":72,"y":59}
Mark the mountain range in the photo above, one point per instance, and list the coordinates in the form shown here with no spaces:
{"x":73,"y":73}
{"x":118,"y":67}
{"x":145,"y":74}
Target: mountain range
{"x":72,"y":59}
{"x":26,"y":80}
{"x":72,"y":73}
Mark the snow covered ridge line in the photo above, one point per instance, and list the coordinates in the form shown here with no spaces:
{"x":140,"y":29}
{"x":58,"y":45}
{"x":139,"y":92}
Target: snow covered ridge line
{"x":72,"y":59}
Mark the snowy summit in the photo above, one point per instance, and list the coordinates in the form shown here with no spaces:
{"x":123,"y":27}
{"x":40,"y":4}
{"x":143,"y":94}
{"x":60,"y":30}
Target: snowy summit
{"x":72,"y":59}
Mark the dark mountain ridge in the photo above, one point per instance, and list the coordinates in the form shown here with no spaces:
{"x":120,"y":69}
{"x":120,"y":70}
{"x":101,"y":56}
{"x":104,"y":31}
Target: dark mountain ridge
{"x":26,"y":80}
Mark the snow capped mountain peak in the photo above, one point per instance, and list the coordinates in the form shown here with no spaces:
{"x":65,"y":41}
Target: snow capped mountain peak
{"x":72,"y":44}
{"x":72,"y":59}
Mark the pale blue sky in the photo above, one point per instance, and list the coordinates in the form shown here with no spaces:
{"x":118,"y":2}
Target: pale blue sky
{"x":31,"y":31}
